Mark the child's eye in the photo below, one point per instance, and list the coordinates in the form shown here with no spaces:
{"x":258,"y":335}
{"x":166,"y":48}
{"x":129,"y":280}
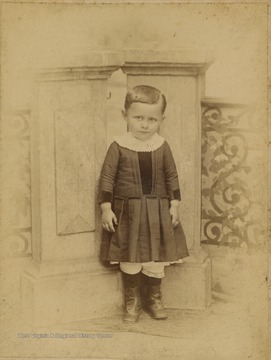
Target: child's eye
{"x":139,"y":117}
{"x":152,"y":120}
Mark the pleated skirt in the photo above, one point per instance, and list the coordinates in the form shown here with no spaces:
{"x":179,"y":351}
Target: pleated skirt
{"x":144,"y":233}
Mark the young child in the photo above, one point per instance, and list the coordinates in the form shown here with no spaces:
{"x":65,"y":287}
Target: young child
{"x":139,"y":199}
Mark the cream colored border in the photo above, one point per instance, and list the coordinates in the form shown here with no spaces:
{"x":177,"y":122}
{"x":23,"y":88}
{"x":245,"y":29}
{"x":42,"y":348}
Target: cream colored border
{"x":188,"y":2}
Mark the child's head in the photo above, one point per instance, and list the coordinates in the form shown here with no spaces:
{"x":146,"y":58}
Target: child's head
{"x":144,"y":111}
{"x":145,"y":94}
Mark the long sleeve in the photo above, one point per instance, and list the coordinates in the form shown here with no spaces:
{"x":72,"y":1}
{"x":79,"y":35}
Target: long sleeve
{"x":171,"y":175}
{"x":108,"y":174}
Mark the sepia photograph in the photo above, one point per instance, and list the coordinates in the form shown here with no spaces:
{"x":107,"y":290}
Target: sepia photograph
{"x":135,"y":179}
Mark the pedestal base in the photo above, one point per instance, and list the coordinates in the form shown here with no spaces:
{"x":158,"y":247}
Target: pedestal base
{"x":188,"y":285}
{"x":56,"y":294}
{"x":51,"y":299}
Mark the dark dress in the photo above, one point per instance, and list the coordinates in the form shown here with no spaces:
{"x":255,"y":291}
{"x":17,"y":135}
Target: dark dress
{"x":140,"y":185}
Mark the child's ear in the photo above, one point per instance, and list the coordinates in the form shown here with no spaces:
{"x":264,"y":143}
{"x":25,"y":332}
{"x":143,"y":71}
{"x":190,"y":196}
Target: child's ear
{"x":124,"y":115}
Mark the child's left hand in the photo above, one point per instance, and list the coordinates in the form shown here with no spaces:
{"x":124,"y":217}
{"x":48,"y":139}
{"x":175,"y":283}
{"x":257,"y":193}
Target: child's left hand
{"x":174,"y":213}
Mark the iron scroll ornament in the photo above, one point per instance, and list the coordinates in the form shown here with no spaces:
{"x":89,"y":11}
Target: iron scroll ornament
{"x":226,"y":194}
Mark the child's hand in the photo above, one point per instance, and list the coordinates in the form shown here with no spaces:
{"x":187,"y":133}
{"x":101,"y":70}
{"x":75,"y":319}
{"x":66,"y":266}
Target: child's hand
{"x":174,"y":212}
{"x":108,"y":220}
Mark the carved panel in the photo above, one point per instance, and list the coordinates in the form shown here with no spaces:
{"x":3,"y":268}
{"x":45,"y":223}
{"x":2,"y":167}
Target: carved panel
{"x":74,"y":159}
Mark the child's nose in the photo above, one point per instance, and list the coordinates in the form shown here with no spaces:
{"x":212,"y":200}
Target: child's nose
{"x":144,"y":124}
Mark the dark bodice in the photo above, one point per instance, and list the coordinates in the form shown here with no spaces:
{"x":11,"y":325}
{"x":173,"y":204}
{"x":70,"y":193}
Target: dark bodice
{"x":127,"y":173}
{"x":145,"y":166}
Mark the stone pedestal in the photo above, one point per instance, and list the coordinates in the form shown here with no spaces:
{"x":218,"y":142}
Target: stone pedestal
{"x":68,"y":144}
{"x":180,"y":76}
{"x":57,"y":293}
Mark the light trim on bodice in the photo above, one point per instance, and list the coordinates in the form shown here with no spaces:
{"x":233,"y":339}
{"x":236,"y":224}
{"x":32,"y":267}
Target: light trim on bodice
{"x":129,"y":142}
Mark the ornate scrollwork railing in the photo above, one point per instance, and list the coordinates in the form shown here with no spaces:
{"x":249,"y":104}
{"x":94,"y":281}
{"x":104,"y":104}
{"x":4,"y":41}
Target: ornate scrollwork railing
{"x":18,"y":210}
{"x":227,"y":201}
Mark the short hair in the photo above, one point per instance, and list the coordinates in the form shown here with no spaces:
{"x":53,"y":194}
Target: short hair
{"x":145,"y":94}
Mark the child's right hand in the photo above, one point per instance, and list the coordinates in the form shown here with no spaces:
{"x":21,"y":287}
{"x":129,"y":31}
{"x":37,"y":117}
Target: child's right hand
{"x":108,"y":220}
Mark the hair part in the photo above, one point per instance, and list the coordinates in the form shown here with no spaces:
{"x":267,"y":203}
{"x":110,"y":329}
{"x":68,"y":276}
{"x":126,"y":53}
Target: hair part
{"x":145,"y":94}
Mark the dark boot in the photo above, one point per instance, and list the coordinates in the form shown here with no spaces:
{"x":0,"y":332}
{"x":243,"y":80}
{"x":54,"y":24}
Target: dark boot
{"x":132,"y":298}
{"x":144,"y":291}
{"x":154,"y":299}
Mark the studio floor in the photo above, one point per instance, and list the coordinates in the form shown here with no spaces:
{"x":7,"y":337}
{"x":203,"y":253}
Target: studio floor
{"x":233,"y":327}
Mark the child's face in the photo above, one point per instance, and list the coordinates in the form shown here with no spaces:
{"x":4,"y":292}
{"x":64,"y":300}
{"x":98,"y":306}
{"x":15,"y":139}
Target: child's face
{"x":143,"y":120}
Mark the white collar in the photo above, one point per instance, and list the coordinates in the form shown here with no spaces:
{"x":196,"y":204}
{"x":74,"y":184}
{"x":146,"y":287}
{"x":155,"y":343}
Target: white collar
{"x":129,"y":142}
